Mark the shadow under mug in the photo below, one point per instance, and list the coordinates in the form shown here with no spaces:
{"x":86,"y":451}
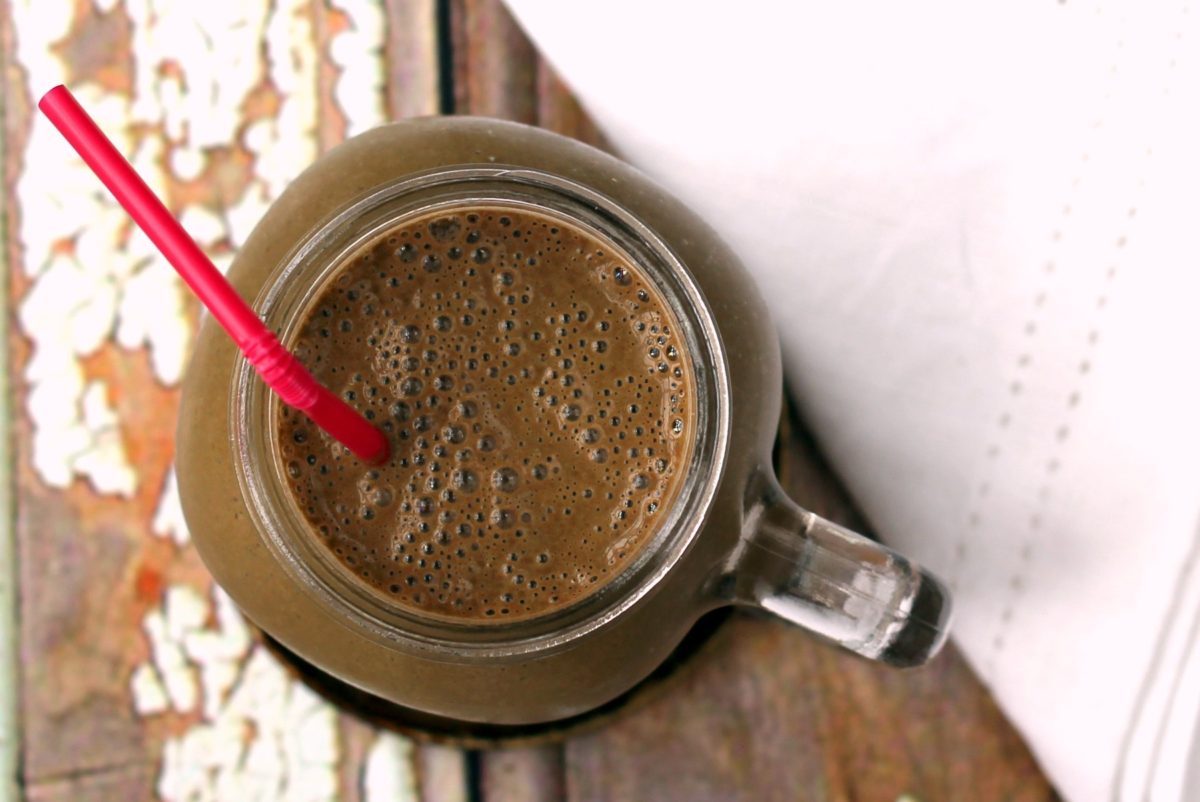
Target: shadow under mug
{"x":731,"y":537}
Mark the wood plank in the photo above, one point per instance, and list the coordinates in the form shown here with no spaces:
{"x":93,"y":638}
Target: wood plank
{"x":414,"y":89}
{"x":74,"y":705}
{"x":532,"y":774}
{"x":91,"y":571}
{"x":559,"y":110}
{"x":9,"y":733}
{"x":127,"y":783}
{"x":413,"y":79}
{"x":443,"y":775}
{"x":495,"y":65}
{"x":497,"y":73}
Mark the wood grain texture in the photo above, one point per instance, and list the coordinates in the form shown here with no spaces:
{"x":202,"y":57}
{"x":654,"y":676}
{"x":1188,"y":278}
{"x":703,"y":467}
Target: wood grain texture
{"x":495,"y":65}
{"x":90,"y":569}
{"x":559,"y":110}
{"x":129,"y":783}
{"x":74,"y":552}
{"x":9,"y":643}
{"x":413,"y":81}
{"x":535,"y":774}
{"x":498,"y":73}
{"x":442,"y":775}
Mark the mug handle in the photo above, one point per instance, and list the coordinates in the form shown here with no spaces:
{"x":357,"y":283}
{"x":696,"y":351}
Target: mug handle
{"x":836,"y":583}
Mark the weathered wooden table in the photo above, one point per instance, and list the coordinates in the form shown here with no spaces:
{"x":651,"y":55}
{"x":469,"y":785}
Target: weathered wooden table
{"x":126,"y":676}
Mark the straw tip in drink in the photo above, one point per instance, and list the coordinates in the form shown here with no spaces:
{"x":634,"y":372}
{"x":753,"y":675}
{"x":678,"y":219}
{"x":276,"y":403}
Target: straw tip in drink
{"x":379,"y":452}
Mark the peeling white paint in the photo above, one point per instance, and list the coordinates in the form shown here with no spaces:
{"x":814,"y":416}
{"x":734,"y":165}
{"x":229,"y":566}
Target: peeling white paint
{"x":185,"y":611}
{"x":67,"y":314}
{"x":149,"y":695}
{"x":241,"y":217}
{"x":177,"y":676}
{"x":358,"y":52}
{"x":97,"y":280}
{"x":285,"y":145}
{"x":71,"y":235}
{"x":222,"y":261}
{"x":271,"y":740}
{"x":203,"y":225}
{"x":168,"y":518}
{"x":103,"y":462}
{"x":229,"y":640}
{"x":187,"y":163}
{"x":261,"y":735}
{"x":388,"y":772}
{"x":153,"y":312}
{"x":217,"y":679}
{"x":215,"y":44}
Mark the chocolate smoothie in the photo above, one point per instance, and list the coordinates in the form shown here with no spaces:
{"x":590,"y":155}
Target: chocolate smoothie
{"x":539,"y":403}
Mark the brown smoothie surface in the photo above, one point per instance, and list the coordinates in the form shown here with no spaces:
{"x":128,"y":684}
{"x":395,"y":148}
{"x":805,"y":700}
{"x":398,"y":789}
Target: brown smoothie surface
{"x":538,"y":400}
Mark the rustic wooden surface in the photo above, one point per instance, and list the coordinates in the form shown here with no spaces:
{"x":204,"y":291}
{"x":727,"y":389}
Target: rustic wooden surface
{"x":762,"y":713}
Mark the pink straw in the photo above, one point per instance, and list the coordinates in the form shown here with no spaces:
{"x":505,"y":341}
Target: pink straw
{"x":282,"y":372}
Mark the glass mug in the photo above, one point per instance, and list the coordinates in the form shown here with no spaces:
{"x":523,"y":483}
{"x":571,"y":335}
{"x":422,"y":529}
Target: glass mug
{"x":731,"y":536}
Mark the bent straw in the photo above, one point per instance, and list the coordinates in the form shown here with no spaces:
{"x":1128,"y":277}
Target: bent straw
{"x":281,"y":371}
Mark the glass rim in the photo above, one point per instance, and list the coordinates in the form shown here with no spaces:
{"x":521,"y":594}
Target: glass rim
{"x":286,"y":295}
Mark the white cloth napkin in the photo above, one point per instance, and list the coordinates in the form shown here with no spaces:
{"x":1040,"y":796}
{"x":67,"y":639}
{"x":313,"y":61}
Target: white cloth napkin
{"x":979,"y":229}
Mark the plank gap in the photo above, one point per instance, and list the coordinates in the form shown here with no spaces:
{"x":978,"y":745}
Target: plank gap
{"x":445,"y":57}
{"x":473,"y":764}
